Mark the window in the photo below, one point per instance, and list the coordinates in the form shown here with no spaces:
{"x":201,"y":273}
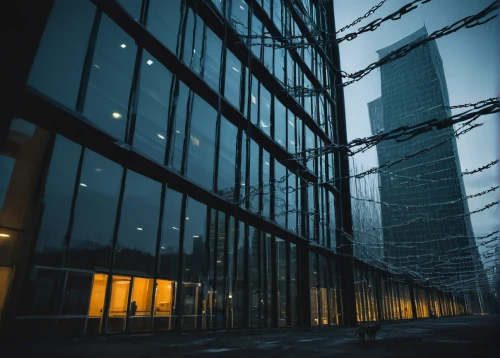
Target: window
{"x":57,"y":69}
{"x":110,"y":81}
{"x":169,"y":249}
{"x":179,"y":126}
{"x":133,"y":7}
{"x":254,"y":100}
{"x":265,"y":111}
{"x":279,"y":123}
{"x":194,"y":242}
{"x":151,"y":129}
{"x":211,"y":67}
{"x":239,"y":16}
{"x":163,"y":21}
{"x":201,"y":153}
{"x":193,"y":39}
{"x":254,"y":184}
{"x":266,"y":177}
{"x":280,"y":188}
{"x":137,"y":235}
{"x":233,"y":79}
{"x":42,"y":295}
{"x":59,"y":190}
{"x":227,"y":155}
{"x":95,"y":213}
{"x":240,"y":292}
{"x":76,"y":294}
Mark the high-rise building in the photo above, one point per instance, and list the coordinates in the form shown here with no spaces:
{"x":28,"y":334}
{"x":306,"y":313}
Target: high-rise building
{"x":427,"y":231}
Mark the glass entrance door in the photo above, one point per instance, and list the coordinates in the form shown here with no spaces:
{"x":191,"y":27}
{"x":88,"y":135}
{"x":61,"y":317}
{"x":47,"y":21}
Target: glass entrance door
{"x":96,"y":307}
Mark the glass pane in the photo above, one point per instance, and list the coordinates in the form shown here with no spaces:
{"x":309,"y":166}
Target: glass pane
{"x":233,"y":78}
{"x":211,"y":67}
{"x":265,"y":111}
{"x":279,"y":123}
{"x":120,"y":290}
{"x":239,"y":16}
{"x":281,"y":280}
{"x":133,"y":7}
{"x":193,"y":42}
{"x":138,"y":232}
{"x":98,"y":295}
{"x":58,"y":195}
{"x":194,"y":242}
{"x":57,"y":69}
{"x":254,"y":177}
{"x":200,"y":162}
{"x":280,"y":208}
{"x":240,"y":292}
{"x":142,"y":296}
{"x":151,"y":127}
{"x":165,"y":294}
{"x":169,"y":249}
{"x":95,"y":213}
{"x":227,"y":156}
{"x":163,"y":21}
{"x":42,"y":294}
{"x":179,"y":127}
{"x":76,"y":294}
{"x":5,"y":280}
{"x":266,"y":191}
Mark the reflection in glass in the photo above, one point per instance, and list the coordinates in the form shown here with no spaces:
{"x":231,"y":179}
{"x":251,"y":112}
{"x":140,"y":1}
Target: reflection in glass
{"x":280,"y":187}
{"x":281,"y":280}
{"x":233,"y":79}
{"x":240,"y":291}
{"x":194,"y":242}
{"x":57,"y":69}
{"x":179,"y":126}
{"x":211,"y":66}
{"x":137,"y":235}
{"x":59,"y":190}
{"x":110,"y":81}
{"x":266,"y":177}
{"x":95,"y":213}
{"x":42,"y":294}
{"x":76,"y":294}
{"x":151,"y":127}
{"x":227,"y":155}
{"x":163,"y":21}
{"x":169,"y":249}
{"x":280,"y":125}
{"x":201,"y":152}
{"x":193,"y":42}
{"x":254,"y":184}
{"x":265,"y":111}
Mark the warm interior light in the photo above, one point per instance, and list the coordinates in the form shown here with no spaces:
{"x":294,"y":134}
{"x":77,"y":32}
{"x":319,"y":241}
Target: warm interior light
{"x":4,"y":235}
{"x":116,"y":115}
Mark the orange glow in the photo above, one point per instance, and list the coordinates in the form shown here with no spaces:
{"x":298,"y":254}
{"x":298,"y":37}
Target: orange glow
{"x":119,"y":296}
{"x":142,"y":295}
{"x":164,"y":295}
{"x":98,"y":294}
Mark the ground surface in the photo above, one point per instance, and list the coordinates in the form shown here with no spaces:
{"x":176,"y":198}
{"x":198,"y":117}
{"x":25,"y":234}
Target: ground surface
{"x":475,"y":336}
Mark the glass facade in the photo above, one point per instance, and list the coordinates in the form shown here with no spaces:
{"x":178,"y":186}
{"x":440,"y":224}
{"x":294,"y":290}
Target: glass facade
{"x":159,"y":181}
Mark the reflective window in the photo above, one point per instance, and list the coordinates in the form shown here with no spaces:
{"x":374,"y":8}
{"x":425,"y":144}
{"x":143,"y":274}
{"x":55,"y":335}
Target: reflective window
{"x":240,"y":293}
{"x":201,"y":153}
{"x":95,"y":213}
{"x":256,"y":31}
{"x":137,"y":235}
{"x":244,"y":185}
{"x":169,"y":248}
{"x":194,"y":242}
{"x":59,"y":189}
{"x":280,"y":204}
{"x":233,"y":79}
{"x":76,"y":294}
{"x":179,"y":126}
{"x":279,"y":64}
{"x":211,"y":66}
{"x":254,"y":185}
{"x":309,"y":145}
{"x":254,"y":99}
{"x":151,"y":129}
{"x":266,"y":177}
{"x":291,"y":144}
{"x":110,"y":81}
{"x":265,"y":111}
{"x":42,"y":294}
{"x":57,"y":69}
{"x":133,"y":7}
{"x":254,"y":271}
{"x":292,"y":203}
{"x":281,"y":280}
{"x":239,"y":16}
{"x":163,"y":21}
{"x":280,"y":124}
{"x":193,"y":40}
{"x":227,"y":154}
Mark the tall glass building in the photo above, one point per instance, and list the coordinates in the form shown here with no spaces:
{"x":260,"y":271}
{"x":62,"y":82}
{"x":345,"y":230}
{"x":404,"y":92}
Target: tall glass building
{"x":426,"y":227}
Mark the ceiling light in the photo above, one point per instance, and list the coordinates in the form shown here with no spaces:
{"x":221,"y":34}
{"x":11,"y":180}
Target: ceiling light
{"x":173,"y":227}
{"x":81,"y":184}
{"x":254,"y":101}
{"x":163,"y":247}
{"x":187,"y":218}
{"x":234,"y":68}
{"x":291,"y":123}
{"x":149,"y":62}
{"x":4,"y":235}
{"x":177,"y":131}
{"x":263,"y":125}
{"x":196,"y":236}
{"x":195,"y":141}
{"x":96,"y":66}
{"x":160,"y":136}
{"x":267,"y":163}
{"x":139,"y":228}
{"x":98,"y":169}
{"x":123,"y":45}
{"x":242,"y":8}
{"x":116,"y":115}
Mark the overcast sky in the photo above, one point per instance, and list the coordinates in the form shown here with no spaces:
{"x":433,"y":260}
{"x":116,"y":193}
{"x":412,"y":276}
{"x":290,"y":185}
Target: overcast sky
{"x":470,"y":58}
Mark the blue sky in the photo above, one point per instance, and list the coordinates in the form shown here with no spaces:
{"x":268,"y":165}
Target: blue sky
{"x":470,"y":58}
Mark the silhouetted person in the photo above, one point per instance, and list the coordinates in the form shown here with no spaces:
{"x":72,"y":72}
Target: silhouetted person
{"x":133,"y":308}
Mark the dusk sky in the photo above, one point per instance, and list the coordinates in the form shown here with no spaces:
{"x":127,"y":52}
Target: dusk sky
{"x":470,"y":58}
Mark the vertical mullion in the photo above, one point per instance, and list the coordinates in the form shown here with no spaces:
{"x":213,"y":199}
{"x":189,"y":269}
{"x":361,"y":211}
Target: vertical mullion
{"x":179,"y":309}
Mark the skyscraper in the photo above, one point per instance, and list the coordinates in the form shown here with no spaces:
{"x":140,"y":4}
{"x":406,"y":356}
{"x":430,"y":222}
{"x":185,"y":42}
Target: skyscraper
{"x":426,"y":230}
